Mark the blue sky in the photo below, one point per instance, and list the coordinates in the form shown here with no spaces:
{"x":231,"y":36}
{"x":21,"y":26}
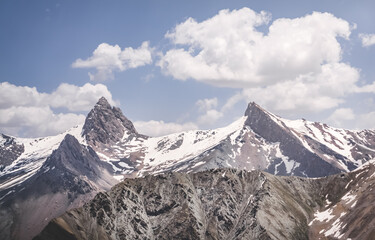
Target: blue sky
{"x":179,"y":65}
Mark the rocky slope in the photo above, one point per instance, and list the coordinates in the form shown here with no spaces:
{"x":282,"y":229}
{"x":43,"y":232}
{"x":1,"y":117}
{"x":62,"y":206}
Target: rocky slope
{"x":70,"y":176}
{"x":226,"y":204}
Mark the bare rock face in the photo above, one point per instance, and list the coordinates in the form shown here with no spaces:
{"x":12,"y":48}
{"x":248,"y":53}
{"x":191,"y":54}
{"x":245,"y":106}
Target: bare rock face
{"x":72,"y":175}
{"x":226,"y":204}
{"x":105,"y":124}
{"x":10,"y":150}
{"x":310,"y":164}
{"x":217,"y":204}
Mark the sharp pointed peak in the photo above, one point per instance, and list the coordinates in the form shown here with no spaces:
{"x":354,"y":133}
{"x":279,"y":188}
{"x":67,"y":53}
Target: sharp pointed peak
{"x":253,"y":106}
{"x":106,"y":124}
{"x":103,"y":102}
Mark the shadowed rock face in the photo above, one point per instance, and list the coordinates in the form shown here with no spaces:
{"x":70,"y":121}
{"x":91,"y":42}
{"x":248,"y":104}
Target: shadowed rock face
{"x":72,"y":175}
{"x":223,"y":204}
{"x":105,"y":124}
{"x":10,"y":150}
{"x":310,"y":163}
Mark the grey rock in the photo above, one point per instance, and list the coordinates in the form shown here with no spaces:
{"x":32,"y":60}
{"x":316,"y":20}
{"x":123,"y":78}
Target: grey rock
{"x":10,"y":150}
{"x":105,"y":124}
{"x":223,"y":204}
{"x":72,"y":175}
{"x":310,"y":163}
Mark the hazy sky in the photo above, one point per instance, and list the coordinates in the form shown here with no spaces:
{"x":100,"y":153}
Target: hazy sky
{"x":179,"y":65}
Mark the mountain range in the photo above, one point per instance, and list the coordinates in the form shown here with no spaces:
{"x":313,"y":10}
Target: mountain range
{"x":41,"y":178}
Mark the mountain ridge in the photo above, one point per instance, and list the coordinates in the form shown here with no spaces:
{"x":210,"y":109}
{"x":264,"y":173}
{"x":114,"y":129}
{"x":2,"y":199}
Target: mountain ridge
{"x":259,"y":140}
{"x":227,"y":204}
{"x":70,"y":176}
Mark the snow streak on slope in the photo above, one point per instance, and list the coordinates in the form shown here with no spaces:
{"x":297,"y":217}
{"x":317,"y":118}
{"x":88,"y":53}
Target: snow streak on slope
{"x":345,"y":143}
{"x":187,"y":145}
{"x":242,"y":145}
{"x":351,"y":213}
{"x":36,"y":151}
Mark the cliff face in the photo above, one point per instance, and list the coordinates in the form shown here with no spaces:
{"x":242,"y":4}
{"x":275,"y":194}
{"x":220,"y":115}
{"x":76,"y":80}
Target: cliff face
{"x":310,"y":164}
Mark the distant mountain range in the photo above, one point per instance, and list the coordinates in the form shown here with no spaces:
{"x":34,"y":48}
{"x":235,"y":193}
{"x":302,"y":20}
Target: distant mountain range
{"x":42,"y":178}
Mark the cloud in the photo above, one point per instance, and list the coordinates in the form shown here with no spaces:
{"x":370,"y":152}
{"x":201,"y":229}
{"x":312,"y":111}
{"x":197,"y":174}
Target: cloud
{"x":370,"y":88}
{"x":294,"y":67}
{"x":340,"y":116}
{"x":75,"y":98}
{"x":12,"y":95}
{"x":107,"y":58}
{"x":210,"y":117}
{"x":24,"y":111}
{"x":367,"y":39}
{"x":206,"y":104}
{"x":210,"y":114}
{"x":308,"y":93}
{"x":347,"y":118}
{"x":161,"y":128}
{"x":36,"y":121}
{"x":366,"y":121}
{"x":228,"y":50}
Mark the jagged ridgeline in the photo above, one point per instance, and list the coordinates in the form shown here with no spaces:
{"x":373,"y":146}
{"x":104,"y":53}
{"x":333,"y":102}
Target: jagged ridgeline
{"x":41,"y":178}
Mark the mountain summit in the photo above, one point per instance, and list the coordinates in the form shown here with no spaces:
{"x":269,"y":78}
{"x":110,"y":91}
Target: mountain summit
{"x":105,"y":124}
{"x":273,"y":129}
{"x":71,"y":164}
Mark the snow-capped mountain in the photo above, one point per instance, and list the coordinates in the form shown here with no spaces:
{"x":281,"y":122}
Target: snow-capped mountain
{"x":73,"y":166}
{"x":45,"y":182}
{"x":258,"y":140}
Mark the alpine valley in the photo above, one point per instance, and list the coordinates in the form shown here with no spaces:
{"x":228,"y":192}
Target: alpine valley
{"x":261,"y":177}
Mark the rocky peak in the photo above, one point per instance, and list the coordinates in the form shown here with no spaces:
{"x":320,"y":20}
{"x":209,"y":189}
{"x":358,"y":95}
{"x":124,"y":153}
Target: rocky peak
{"x":259,"y":119}
{"x":103,"y":103}
{"x":73,"y":158}
{"x":105,"y":124}
{"x":272,"y":129}
{"x":10,"y":150}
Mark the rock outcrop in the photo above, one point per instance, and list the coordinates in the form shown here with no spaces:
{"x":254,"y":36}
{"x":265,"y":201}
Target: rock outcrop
{"x":225,"y":204}
{"x":10,"y":150}
{"x":309,"y":162}
{"x":105,"y":124}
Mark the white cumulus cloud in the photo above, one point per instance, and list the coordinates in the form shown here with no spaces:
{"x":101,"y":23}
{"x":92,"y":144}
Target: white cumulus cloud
{"x":210,"y":117}
{"x":367,"y":39}
{"x":228,"y":49}
{"x":206,"y":104}
{"x":36,"y":121}
{"x":295,"y":66}
{"x":76,"y":98}
{"x":366,"y":121}
{"x":347,"y":118}
{"x":24,"y":111}
{"x":340,"y":116}
{"x":308,"y":93}
{"x":161,"y":128}
{"x":107,"y":58}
